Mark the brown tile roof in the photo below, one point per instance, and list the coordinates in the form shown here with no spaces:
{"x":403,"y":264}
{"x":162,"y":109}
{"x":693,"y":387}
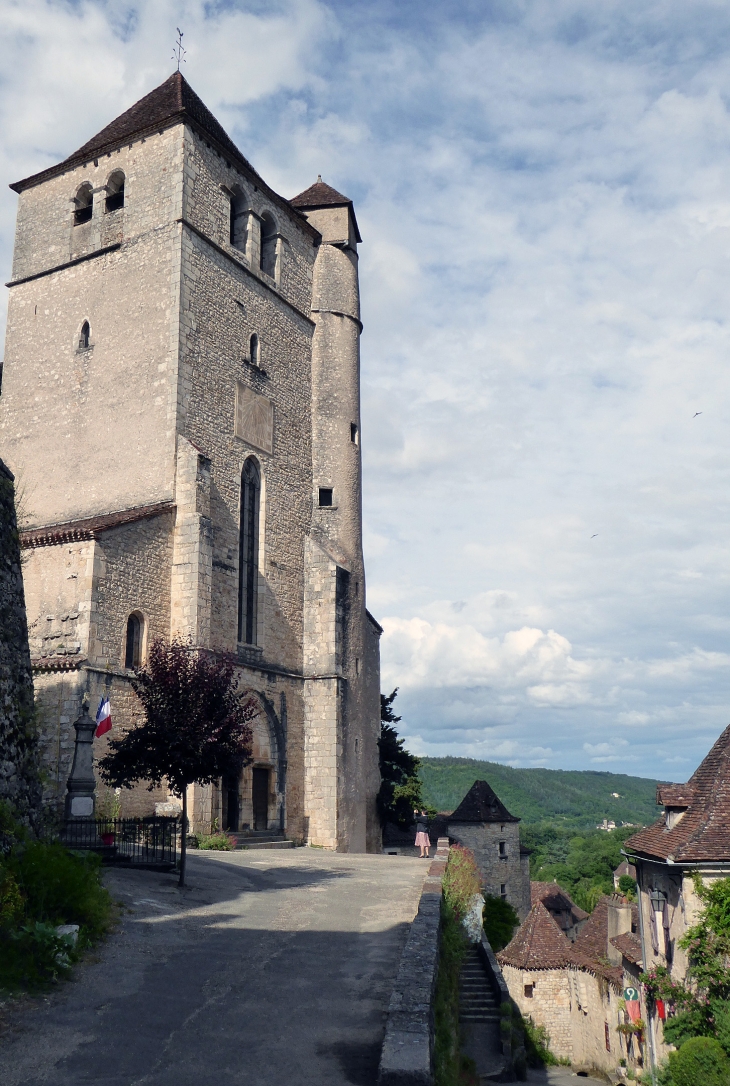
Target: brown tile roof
{"x":625,"y":868}
{"x":540,"y":944}
{"x":555,"y":899}
{"x":481,"y":804}
{"x":320,"y":194}
{"x":592,"y":938}
{"x":90,"y":527}
{"x":630,"y":946}
{"x":703,"y":834}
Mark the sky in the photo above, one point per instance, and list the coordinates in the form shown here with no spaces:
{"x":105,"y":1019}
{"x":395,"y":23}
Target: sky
{"x":543,"y":190}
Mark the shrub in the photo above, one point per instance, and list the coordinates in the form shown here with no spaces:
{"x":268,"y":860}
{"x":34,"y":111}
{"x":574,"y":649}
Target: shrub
{"x":500,"y":922}
{"x":219,"y":841}
{"x":701,"y":1061}
{"x":461,"y":881}
{"x":537,"y":1046}
{"x":452,"y":1069}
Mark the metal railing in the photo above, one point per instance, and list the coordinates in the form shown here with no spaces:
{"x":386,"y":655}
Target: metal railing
{"x":139,"y":841}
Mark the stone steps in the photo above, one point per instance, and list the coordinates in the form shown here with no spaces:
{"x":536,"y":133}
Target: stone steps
{"x":262,"y":839}
{"x":477,"y":1001}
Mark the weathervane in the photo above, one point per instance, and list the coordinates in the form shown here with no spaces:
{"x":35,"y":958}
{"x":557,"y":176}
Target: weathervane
{"x":178,"y":52}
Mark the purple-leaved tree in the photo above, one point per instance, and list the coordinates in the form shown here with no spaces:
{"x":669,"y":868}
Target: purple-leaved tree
{"x":196,"y":727}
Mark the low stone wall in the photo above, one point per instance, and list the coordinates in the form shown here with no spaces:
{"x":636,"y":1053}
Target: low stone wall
{"x":407,"y":1056}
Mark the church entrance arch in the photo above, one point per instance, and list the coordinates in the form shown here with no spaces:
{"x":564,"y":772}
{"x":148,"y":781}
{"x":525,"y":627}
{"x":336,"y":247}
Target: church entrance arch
{"x":254,"y":799}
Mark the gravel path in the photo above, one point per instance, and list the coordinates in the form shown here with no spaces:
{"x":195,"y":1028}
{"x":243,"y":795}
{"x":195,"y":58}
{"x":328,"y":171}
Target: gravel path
{"x":271,"y":968}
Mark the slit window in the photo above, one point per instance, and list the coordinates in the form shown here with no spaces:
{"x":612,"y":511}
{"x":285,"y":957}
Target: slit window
{"x":84,"y":336}
{"x":255,"y":350}
{"x":133,"y":646}
{"x":325,"y":496}
{"x":353,"y":433}
{"x":503,"y":891}
{"x":84,"y":205}
{"x":115,"y":192}
{"x":503,"y":849}
{"x":239,"y":222}
{"x":248,"y":562}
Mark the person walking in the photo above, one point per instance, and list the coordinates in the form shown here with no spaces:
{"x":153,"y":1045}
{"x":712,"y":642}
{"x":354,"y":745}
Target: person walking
{"x":422,"y":839}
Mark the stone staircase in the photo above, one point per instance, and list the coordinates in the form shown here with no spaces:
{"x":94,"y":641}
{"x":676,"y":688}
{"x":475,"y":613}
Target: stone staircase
{"x":477,"y":1001}
{"x":261,"y":839}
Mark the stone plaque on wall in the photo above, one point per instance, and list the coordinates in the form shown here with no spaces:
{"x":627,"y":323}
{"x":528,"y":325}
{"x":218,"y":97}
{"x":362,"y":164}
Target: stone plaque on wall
{"x":254,"y":418}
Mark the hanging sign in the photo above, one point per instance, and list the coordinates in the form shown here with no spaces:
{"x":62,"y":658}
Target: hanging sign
{"x":633,"y":1006}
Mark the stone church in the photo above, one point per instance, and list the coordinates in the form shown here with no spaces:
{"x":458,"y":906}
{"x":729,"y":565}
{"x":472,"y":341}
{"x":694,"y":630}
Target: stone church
{"x":180,"y":405}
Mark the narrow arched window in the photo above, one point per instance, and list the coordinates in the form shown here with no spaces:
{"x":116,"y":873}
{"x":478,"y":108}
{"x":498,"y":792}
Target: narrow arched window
{"x":115,"y":191}
{"x":84,"y":335}
{"x":248,"y":554}
{"x":84,"y":201}
{"x":255,"y":349}
{"x":239,"y":221}
{"x":268,"y":245}
{"x":133,"y":645}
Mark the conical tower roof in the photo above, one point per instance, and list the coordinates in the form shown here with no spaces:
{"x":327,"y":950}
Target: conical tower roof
{"x":538,"y":944}
{"x":482,"y":804}
{"x":702,"y":833}
{"x":320,"y":194}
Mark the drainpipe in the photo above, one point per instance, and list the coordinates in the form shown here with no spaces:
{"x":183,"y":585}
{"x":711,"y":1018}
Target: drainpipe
{"x":649,"y":1022}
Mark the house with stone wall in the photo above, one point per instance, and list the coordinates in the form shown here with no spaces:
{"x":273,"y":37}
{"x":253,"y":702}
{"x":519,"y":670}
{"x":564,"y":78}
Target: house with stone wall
{"x":569,"y":917}
{"x":690,"y":839}
{"x":575,"y":989}
{"x":181,"y":394}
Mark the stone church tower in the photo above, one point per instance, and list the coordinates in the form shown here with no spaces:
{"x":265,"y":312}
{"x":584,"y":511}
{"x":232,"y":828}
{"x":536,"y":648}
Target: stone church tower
{"x":180,"y":403}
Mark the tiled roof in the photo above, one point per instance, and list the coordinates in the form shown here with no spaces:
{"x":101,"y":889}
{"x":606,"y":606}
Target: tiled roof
{"x":90,"y":527}
{"x":555,"y":899}
{"x":173,"y":101}
{"x":625,"y":868}
{"x":592,"y":938}
{"x":703,"y":832}
{"x":538,"y":944}
{"x":321,"y":194}
{"x":481,"y":804}
{"x":630,"y":946}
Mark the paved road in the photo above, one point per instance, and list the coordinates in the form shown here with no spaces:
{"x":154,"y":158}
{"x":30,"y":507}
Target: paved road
{"x":271,"y":969}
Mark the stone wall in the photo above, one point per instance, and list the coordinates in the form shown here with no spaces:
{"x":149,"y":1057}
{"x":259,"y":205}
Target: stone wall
{"x":19,"y":778}
{"x":498,"y":868}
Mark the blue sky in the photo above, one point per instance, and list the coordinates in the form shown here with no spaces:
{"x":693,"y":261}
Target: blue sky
{"x":543,"y":191}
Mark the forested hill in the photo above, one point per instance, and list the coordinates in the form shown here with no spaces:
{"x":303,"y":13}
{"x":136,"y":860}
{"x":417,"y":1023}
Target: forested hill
{"x":580,"y":797}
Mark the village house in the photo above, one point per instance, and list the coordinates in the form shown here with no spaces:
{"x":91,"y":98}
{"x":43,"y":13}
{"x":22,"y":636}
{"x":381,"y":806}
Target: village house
{"x":575,"y":989}
{"x":181,"y":401}
{"x":567,"y":915}
{"x":692,"y":837}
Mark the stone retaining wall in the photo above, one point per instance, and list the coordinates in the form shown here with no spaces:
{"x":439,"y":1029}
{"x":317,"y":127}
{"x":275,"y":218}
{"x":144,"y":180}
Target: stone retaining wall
{"x":407,"y":1056}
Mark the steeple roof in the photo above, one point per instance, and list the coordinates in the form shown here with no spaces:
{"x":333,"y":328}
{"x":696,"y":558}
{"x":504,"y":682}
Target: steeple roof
{"x":481,"y":804}
{"x":538,"y":944}
{"x":320,"y":194}
{"x":702,"y":832}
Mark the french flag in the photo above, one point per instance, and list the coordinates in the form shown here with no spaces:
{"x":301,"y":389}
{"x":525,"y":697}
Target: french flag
{"x":103,"y":718}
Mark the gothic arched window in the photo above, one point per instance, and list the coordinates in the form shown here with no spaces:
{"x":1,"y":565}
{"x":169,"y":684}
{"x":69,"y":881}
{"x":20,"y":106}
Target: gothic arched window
{"x":268,"y":245}
{"x":84,"y":335}
{"x":133,"y":643}
{"x":115,"y":191}
{"x":84,"y":201}
{"x":255,"y":351}
{"x":248,"y":552}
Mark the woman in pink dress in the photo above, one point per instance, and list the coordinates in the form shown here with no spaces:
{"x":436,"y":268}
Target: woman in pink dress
{"x":422,"y":839}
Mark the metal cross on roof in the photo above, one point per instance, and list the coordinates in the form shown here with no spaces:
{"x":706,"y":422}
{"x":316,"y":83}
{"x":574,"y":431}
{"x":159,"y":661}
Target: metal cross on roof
{"x":178,"y":52}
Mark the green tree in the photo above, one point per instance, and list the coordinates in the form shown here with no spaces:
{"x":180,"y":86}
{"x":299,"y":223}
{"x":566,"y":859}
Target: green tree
{"x":400,"y":789}
{"x":196,"y":727}
{"x":500,"y":922}
{"x":700,"y":1061}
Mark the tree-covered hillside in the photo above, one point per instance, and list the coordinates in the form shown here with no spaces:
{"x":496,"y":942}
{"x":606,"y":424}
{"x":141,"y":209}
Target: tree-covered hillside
{"x":581,"y":798}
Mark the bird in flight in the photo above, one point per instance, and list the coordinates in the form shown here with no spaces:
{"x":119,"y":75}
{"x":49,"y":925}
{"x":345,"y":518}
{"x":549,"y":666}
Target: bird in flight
{"x":594,"y":535}
{"x":696,"y":414}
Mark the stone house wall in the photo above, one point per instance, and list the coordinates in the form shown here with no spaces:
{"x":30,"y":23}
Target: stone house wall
{"x":498,"y":868}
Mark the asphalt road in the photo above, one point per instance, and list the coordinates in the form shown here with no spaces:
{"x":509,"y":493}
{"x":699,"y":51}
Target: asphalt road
{"x":270,"y":969}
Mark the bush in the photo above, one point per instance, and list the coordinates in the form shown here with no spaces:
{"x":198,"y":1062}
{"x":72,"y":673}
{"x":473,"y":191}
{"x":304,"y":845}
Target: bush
{"x":43,"y":885}
{"x":500,"y":921}
{"x":627,"y":886}
{"x":701,"y":1061}
{"x":219,"y":841}
{"x":451,"y":1068}
{"x":461,"y":881}
{"x":537,"y":1046}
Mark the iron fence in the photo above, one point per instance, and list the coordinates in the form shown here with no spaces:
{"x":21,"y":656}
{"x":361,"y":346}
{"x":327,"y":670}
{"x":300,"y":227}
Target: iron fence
{"x":140,"y":841}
